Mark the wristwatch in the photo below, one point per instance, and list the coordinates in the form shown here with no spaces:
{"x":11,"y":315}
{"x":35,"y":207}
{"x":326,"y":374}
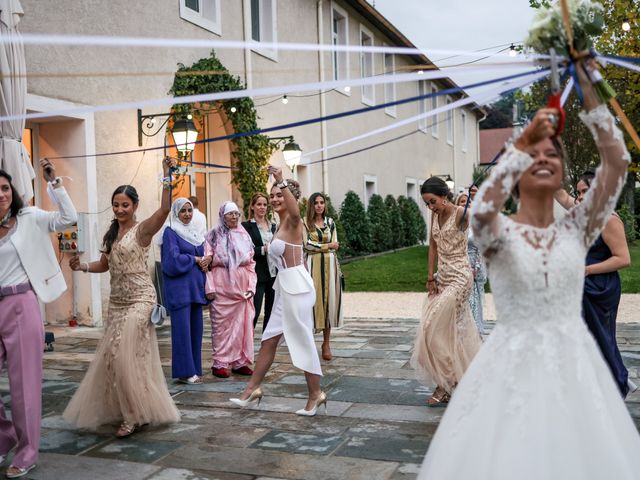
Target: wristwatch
{"x":56,"y":182}
{"x":282,"y":184}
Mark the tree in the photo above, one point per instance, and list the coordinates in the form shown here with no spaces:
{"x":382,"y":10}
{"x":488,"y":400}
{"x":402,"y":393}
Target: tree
{"x":396,"y":221}
{"x":380,"y":224}
{"x":356,"y":225}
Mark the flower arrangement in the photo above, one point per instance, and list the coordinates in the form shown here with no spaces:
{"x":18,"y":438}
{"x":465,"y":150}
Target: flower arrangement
{"x":548,"y":29}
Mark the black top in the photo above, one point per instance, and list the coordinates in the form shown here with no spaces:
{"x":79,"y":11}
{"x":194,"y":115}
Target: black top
{"x":262,"y":268}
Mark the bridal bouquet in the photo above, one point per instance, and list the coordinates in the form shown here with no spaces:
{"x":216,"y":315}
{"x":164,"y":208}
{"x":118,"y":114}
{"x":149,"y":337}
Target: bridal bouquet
{"x":548,"y":31}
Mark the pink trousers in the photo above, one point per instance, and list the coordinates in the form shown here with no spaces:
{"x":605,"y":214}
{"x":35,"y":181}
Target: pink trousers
{"x":21,"y":347}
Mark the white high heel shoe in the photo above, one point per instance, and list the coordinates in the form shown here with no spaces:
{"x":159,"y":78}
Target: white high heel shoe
{"x":322,"y":399}
{"x":632,"y":386}
{"x":255,"y":395}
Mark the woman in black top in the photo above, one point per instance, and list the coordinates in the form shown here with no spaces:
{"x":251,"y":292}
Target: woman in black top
{"x":261,"y":230}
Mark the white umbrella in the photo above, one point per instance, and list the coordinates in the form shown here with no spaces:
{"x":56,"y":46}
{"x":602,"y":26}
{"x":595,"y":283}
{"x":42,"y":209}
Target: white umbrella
{"x":14,"y":158}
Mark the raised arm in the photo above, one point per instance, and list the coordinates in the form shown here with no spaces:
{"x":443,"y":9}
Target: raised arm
{"x":149,"y":227}
{"x":290,"y":201}
{"x":66,"y":215}
{"x":495,"y":190}
{"x":564,"y":199}
{"x":599,"y":202}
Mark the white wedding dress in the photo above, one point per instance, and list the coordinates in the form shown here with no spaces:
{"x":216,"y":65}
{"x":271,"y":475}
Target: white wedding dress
{"x":538,"y":401}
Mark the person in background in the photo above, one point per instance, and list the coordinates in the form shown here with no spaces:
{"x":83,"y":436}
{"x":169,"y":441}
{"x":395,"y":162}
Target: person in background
{"x":125,"y":381}
{"x":321,"y":245}
{"x":261,"y":231}
{"x":29,"y":271}
{"x":478,"y":267}
{"x":602,"y":288}
{"x":199,"y":219}
{"x":230,"y":286}
{"x":183,"y":262}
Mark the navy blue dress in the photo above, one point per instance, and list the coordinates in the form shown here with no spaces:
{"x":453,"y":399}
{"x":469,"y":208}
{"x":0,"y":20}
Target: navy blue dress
{"x":600,"y":309}
{"x":184,"y":297}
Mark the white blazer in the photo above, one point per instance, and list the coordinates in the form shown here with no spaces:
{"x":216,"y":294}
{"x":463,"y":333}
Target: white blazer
{"x":33,"y":244}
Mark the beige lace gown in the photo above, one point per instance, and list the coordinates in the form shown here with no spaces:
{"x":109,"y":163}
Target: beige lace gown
{"x":447,"y":338}
{"x":125,"y":381}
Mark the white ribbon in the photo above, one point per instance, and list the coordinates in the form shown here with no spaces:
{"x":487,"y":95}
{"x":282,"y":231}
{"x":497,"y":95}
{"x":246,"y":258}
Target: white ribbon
{"x":252,"y":92}
{"x":481,"y":99}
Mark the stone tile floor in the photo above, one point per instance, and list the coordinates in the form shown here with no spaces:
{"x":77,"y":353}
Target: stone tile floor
{"x":376,"y":426}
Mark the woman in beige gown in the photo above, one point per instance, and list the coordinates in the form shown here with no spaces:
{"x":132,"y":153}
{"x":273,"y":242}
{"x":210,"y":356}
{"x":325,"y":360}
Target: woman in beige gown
{"x":125,"y":382}
{"x":447,"y":338}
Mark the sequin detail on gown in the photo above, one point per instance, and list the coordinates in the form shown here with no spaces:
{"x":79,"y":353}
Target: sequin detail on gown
{"x":125,"y":380}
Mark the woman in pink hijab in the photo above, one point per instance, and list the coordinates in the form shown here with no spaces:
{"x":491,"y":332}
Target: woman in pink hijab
{"x":230,"y":286}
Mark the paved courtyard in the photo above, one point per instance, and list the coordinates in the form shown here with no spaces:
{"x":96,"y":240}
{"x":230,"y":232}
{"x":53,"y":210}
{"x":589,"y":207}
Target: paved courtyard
{"x":377,"y":425}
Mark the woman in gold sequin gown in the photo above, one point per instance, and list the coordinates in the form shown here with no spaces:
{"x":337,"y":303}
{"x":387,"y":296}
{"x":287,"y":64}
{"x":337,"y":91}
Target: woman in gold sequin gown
{"x":125,"y":382}
{"x":447,"y":338}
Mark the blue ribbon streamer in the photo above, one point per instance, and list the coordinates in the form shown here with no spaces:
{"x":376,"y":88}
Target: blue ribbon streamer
{"x":576,"y":83}
{"x":301,"y":123}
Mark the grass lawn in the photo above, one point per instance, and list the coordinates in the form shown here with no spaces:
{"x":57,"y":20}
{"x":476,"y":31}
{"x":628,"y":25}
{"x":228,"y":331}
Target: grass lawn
{"x":406,"y":271}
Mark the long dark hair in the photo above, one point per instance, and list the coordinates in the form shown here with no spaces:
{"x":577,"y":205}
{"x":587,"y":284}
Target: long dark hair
{"x":112,"y":233}
{"x":311,"y":211}
{"x":16,"y":199}
{"x":435,"y":186}
{"x":587,"y":177}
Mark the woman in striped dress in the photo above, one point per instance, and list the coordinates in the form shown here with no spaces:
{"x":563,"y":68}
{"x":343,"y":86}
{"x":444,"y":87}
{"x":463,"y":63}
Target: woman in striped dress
{"x":321,"y":245}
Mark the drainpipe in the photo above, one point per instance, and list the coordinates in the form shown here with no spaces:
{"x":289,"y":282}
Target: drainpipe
{"x":323,"y":105}
{"x":246,"y":26}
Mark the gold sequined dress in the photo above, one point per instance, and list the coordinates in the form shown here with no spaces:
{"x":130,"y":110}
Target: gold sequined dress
{"x":447,"y":338}
{"x":125,"y":381}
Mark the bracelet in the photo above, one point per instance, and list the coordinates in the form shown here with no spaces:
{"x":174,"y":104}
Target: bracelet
{"x":431,"y":280}
{"x":282,"y":184}
{"x":86,"y":269}
{"x":166,"y":183}
{"x":56,"y":182}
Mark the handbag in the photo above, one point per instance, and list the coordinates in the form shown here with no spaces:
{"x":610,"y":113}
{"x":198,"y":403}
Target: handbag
{"x":159,"y":313}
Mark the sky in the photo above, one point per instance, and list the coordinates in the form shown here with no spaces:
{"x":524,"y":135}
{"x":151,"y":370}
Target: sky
{"x":460,"y":25}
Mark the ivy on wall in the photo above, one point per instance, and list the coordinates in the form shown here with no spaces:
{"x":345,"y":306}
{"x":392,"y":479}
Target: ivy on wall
{"x":251,"y":153}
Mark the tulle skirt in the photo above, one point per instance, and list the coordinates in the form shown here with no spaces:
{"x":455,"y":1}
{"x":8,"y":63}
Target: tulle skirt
{"x":125,"y":380}
{"x":537,"y":402}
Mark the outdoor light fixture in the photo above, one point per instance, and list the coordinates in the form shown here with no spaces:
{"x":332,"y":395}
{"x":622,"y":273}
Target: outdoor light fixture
{"x":626,"y":26}
{"x":512,"y":50}
{"x":448,"y":180}
{"x":184,"y":131}
{"x":185,"y":134}
{"x":285,"y":100}
{"x":347,"y":89}
{"x":291,"y":152}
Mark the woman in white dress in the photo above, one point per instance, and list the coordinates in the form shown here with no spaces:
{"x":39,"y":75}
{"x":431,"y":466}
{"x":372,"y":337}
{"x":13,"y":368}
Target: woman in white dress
{"x":538,"y":401}
{"x":292,"y":315}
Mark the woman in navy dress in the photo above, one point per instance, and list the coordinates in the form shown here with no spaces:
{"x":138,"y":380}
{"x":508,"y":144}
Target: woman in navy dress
{"x":183,"y":262}
{"x":602,"y":290}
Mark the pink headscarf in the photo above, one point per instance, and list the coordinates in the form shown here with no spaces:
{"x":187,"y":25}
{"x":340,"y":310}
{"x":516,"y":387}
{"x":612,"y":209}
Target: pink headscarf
{"x":231,"y":245}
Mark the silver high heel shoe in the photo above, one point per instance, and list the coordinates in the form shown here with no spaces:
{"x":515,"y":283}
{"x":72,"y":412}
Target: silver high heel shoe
{"x":255,"y":395}
{"x":322,"y":399}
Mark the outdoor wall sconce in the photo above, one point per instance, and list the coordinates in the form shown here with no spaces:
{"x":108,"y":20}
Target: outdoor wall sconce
{"x":448,"y":180}
{"x":291,"y":152}
{"x":184,"y":131}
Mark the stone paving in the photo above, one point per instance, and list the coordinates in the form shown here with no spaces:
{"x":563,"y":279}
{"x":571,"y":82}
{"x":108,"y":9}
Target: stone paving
{"x":376,"y":426}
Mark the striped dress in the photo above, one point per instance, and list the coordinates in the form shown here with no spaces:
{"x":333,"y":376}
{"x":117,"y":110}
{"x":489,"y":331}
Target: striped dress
{"x":325,"y":270}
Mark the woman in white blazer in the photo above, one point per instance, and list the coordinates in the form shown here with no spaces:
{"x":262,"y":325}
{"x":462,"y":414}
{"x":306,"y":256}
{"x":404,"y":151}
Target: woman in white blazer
{"x":28,"y":270}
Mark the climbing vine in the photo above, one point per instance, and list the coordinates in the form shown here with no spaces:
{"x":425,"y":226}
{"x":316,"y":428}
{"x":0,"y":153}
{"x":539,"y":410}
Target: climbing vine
{"x":252,"y":153}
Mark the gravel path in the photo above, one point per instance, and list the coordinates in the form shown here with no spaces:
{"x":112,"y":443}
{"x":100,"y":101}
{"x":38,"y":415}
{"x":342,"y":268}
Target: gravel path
{"x":408,"y":305}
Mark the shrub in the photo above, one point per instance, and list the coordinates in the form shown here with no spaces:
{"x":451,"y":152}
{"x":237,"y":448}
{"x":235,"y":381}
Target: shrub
{"x":415,"y":228}
{"x":356,"y":225}
{"x":396,"y":221}
{"x":380,"y":224}
{"x":629,"y":220}
{"x":331,"y":212}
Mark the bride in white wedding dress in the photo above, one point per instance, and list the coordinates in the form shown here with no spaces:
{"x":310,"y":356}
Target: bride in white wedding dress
{"x":538,"y":401}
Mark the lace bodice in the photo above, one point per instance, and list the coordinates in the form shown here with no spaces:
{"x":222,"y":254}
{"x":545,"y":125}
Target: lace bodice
{"x":537,"y":274}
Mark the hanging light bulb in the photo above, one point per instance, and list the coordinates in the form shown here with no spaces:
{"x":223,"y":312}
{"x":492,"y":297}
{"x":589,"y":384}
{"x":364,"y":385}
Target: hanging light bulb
{"x":347,"y":89}
{"x":420,"y":72}
{"x":190,"y":117}
{"x":285,"y":100}
{"x":512,"y":50}
{"x":234,"y":109}
{"x":626,"y":26}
